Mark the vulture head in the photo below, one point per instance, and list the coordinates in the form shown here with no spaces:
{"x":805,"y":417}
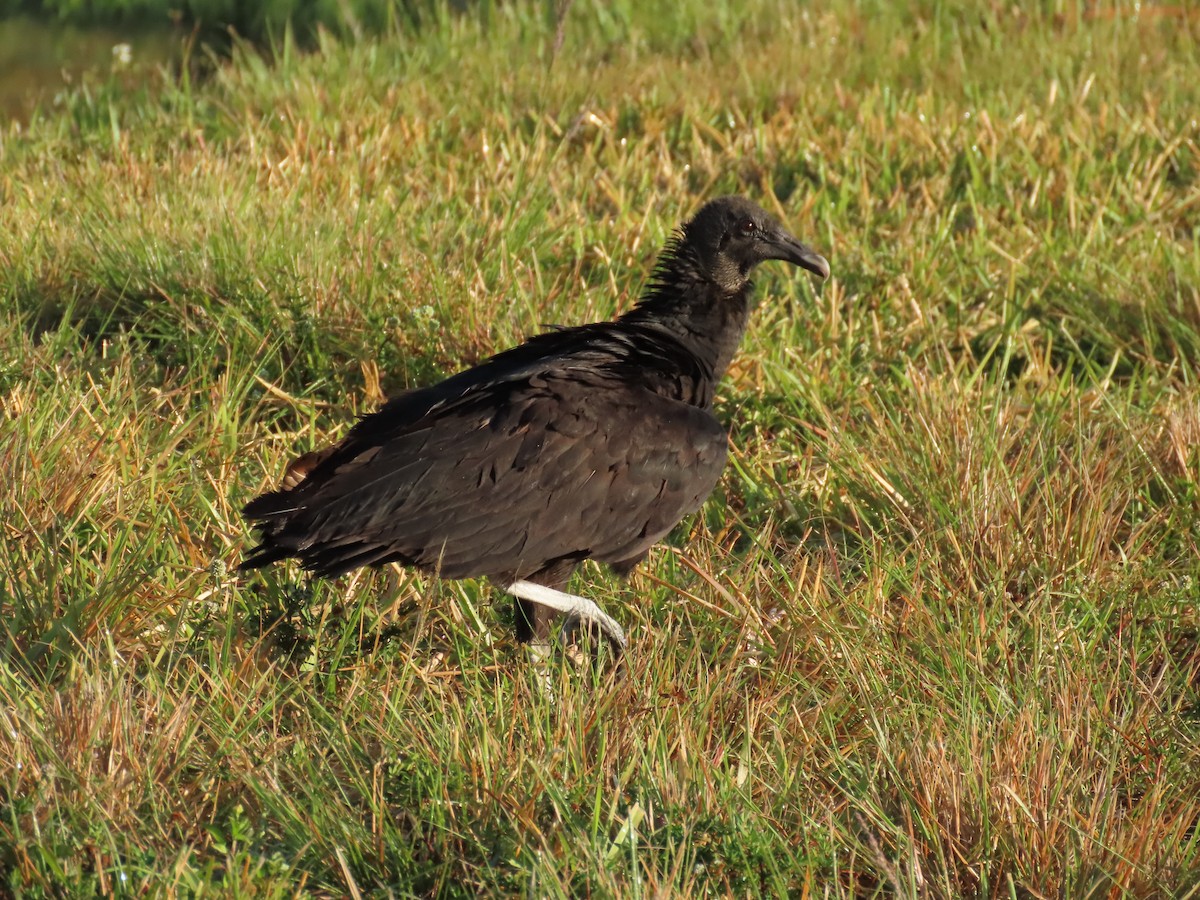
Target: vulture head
{"x":732,"y":235}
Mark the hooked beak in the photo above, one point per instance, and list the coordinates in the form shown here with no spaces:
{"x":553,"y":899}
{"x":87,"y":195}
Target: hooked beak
{"x":782,"y":245}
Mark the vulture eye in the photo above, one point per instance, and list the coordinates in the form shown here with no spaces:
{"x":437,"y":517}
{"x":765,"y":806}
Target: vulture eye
{"x":748,"y":226}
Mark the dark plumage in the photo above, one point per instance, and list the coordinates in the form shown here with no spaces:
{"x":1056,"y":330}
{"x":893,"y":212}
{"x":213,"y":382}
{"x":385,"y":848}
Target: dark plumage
{"x":584,"y":442}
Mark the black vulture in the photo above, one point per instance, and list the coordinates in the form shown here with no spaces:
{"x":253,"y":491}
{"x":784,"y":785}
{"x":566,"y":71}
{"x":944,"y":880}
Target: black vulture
{"x":589,"y":442}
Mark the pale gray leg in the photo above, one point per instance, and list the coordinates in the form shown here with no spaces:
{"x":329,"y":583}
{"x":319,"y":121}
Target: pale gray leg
{"x":573,"y":607}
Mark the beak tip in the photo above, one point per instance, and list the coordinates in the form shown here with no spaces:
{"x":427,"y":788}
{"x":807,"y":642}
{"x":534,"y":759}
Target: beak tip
{"x":791,"y":250}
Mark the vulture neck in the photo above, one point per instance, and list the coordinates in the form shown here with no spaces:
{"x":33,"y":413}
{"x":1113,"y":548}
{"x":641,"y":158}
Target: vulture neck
{"x":708,"y":320}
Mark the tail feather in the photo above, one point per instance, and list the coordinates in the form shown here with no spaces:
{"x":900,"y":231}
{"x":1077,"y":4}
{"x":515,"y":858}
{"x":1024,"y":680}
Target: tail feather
{"x":263,"y":555}
{"x":271,"y":505}
{"x":331,"y":562}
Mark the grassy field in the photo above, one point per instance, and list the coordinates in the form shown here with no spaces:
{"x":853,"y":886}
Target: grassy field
{"x":935,"y":635}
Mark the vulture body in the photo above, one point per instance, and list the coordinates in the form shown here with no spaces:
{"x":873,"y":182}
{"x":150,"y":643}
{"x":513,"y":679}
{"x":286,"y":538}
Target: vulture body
{"x":584,"y":442}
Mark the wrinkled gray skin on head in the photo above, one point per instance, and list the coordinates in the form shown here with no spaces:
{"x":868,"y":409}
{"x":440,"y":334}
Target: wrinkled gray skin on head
{"x":732,"y":235}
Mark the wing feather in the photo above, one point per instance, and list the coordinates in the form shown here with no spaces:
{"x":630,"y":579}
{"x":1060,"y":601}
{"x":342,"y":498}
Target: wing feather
{"x":503,"y":481}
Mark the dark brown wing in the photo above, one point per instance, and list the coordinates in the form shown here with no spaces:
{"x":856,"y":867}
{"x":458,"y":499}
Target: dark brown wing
{"x":504,"y":482}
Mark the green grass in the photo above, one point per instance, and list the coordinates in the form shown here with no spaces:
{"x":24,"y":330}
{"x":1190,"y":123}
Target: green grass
{"x":935,"y":635}
{"x":253,"y":21}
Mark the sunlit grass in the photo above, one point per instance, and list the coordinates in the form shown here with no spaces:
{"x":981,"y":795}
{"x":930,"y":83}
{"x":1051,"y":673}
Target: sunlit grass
{"x":935,"y":634}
